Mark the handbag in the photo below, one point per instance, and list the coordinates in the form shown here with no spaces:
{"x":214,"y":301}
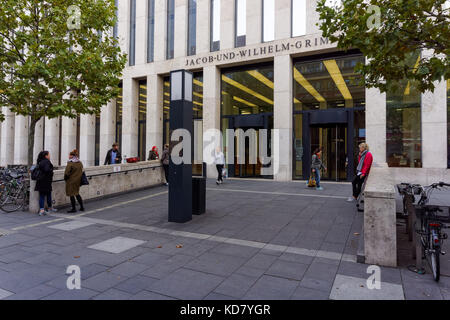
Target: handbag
{"x":224,"y":173}
{"x":84,"y":180}
{"x":35,"y":173}
{"x":312,"y":181}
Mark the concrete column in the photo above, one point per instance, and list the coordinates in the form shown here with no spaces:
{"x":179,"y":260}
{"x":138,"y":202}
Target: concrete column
{"x":434,"y":127}
{"x":107,"y":129}
{"x":283,"y":101}
{"x":160,"y":29}
{"x":254,"y":22}
{"x":211,"y":106}
{"x":52,"y":139}
{"x":68,"y":138}
{"x":181,"y":28}
{"x":38,"y":139}
{"x":124,"y":24}
{"x":376,"y":125}
{"x":21,"y":140}
{"x":203,"y":26}
{"x":141,"y":31}
{"x":154,"y":134}
{"x":312,"y":16}
{"x":87,"y":139}
{"x":227,"y":24}
{"x":282,"y":19}
{"x":130,"y":118}
{"x":7,"y":138}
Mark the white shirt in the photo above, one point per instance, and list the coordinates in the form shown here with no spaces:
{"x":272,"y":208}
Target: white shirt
{"x":219,"y":158}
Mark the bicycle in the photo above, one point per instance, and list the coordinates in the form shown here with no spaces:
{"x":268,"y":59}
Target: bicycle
{"x":431,"y":225}
{"x":14,"y":192}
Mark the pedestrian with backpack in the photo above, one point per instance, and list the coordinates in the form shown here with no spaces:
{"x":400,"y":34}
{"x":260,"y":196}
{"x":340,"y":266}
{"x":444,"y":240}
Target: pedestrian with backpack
{"x":43,"y":174}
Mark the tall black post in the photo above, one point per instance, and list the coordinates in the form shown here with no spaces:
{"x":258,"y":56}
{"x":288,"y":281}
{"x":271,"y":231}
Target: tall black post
{"x":180,"y":174}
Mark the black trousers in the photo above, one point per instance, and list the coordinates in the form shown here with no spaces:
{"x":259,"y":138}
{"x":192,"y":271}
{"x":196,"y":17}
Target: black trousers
{"x":357,"y":185}
{"x":166,"y":171}
{"x":219,"y":172}
{"x":80,"y":201}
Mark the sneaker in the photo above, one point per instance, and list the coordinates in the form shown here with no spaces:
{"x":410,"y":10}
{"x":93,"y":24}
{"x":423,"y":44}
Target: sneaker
{"x":217,"y":182}
{"x":42,"y":212}
{"x":167,"y":184}
{"x":51,"y":210}
{"x":319,"y":188}
{"x":350,"y":199}
{"x":72,"y":211}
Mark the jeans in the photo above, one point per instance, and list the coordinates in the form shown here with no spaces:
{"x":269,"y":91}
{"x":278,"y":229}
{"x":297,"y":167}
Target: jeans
{"x":317,"y":177}
{"x":42,"y":196}
{"x":219,"y":172}
{"x":357,"y":185}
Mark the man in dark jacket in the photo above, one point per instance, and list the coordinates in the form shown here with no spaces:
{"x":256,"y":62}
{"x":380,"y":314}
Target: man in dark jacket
{"x":113,"y":156}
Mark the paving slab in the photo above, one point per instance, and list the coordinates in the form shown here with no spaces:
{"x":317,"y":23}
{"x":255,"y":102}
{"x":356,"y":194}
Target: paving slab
{"x":71,"y":225}
{"x":117,"y":244}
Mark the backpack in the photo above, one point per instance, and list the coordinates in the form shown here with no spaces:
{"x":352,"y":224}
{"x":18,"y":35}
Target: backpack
{"x":35,"y":172}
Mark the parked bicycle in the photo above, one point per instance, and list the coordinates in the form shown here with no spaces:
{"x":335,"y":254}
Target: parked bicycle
{"x":14,"y":189}
{"x":431,"y":220}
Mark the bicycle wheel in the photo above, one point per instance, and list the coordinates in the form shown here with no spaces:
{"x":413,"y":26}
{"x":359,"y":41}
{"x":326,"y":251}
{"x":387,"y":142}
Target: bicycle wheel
{"x":435,"y":264}
{"x":13,"y":201}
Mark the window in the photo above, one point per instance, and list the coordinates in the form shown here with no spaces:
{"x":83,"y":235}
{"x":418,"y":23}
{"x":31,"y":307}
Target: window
{"x":215,"y":25}
{"x":97,"y":140}
{"x":119,"y":108}
{"x":192,"y":27}
{"x":116,"y":24}
{"x":170,"y":28}
{"x":268,"y":20}
{"x":241,"y":21}
{"x":298,"y":18}
{"x":403,"y":122}
{"x":132,"y":50}
{"x":150,"y":30}
{"x":142,"y":114}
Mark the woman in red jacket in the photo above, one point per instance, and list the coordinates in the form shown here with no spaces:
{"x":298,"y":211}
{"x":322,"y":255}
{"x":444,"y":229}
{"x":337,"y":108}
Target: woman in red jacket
{"x":365,"y":160}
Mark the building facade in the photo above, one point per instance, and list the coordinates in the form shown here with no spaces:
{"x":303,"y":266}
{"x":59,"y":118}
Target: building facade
{"x":257,"y":64}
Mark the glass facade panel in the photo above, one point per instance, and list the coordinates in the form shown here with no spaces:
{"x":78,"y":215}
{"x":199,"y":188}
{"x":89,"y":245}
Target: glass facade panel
{"x":132,"y":49}
{"x":215,"y":25}
{"x":298,"y":18}
{"x":403,"y":123}
{"x":241,"y":22}
{"x":142,"y":118}
{"x":150,"y":30}
{"x":268,"y":20}
{"x":116,"y":24}
{"x":170,"y":28}
{"x":119,"y":109}
{"x":192,"y":28}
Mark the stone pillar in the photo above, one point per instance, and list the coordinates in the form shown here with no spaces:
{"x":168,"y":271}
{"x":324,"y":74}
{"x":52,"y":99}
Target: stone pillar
{"x":211,"y":106}
{"x":312,"y":16}
{"x":68,"y":138}
{"x":181,"y":28}
{"x":52,"y":139}
{"x":227,"y":24}
{"x":434,"y":127}
{"x":283,"y":101}
{"x":7,"y":138}
{"x":38,"y":139}
{"x":254,"y":22}
{"x":107,"y":129}
{"x":141,"y":32}
{"x":203,"y":26}
{"x":124,"y":25}
{"x":282,"y":19}
{"x":160,"y":29}
{"x":21,"y":140}
{"x":130,"y":118}
{"x":87,"y":139}
{"x":376,"y":125}
{"x":154,"y":134}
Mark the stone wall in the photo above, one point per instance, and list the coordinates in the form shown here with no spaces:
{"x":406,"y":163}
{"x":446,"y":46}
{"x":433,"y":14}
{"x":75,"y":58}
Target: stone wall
{"x":105,"y":181}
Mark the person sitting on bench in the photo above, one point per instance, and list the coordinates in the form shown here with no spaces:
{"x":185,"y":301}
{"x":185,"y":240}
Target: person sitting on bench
{"x":365,"y":160}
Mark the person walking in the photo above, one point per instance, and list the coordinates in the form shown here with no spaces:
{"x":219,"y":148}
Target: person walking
{"x":165,"y":162}
{"x":316,"y":166}
{"x":44,"y":182}
{"x":153,"y":154}
{"x":365,"y":160}
{"x":72,"y":176}
{"x":219,"y":159}
{"x":113,"y":156}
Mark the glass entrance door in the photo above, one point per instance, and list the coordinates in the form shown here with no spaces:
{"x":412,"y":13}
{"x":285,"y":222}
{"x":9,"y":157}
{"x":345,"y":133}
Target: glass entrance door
{"x":332,"y":139}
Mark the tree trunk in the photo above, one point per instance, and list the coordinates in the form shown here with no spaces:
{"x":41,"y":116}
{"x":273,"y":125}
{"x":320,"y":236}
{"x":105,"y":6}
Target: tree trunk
{"x":31,"y":131}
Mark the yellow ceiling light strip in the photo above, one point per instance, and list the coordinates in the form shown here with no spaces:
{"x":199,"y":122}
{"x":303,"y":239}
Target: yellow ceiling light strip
{"x":258,"y":76}
{"x":244,"y":102}
{"x":198,"y":95}
{"x":197,"y":82}
{"x":308,"y":87}
{"x":166,"y":94}
{"x":408,"y":86}
{"x":198,"y":103}
{"x":245,"y":89}
{"x":167,"y":84}
{"x":338,"y":79}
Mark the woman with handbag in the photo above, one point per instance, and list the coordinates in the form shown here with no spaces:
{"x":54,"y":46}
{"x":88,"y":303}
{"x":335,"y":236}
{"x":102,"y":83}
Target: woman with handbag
{"x":44,"y":181}
{"x":72,"y":176}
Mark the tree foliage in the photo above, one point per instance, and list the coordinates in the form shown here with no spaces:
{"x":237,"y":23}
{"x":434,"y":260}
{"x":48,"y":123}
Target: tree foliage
{"x":54,"y":64}
{"x":388,"y":32}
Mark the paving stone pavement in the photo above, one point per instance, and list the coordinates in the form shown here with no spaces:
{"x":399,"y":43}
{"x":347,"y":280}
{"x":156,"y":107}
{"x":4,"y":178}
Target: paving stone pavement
{"x":257,"y":240}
